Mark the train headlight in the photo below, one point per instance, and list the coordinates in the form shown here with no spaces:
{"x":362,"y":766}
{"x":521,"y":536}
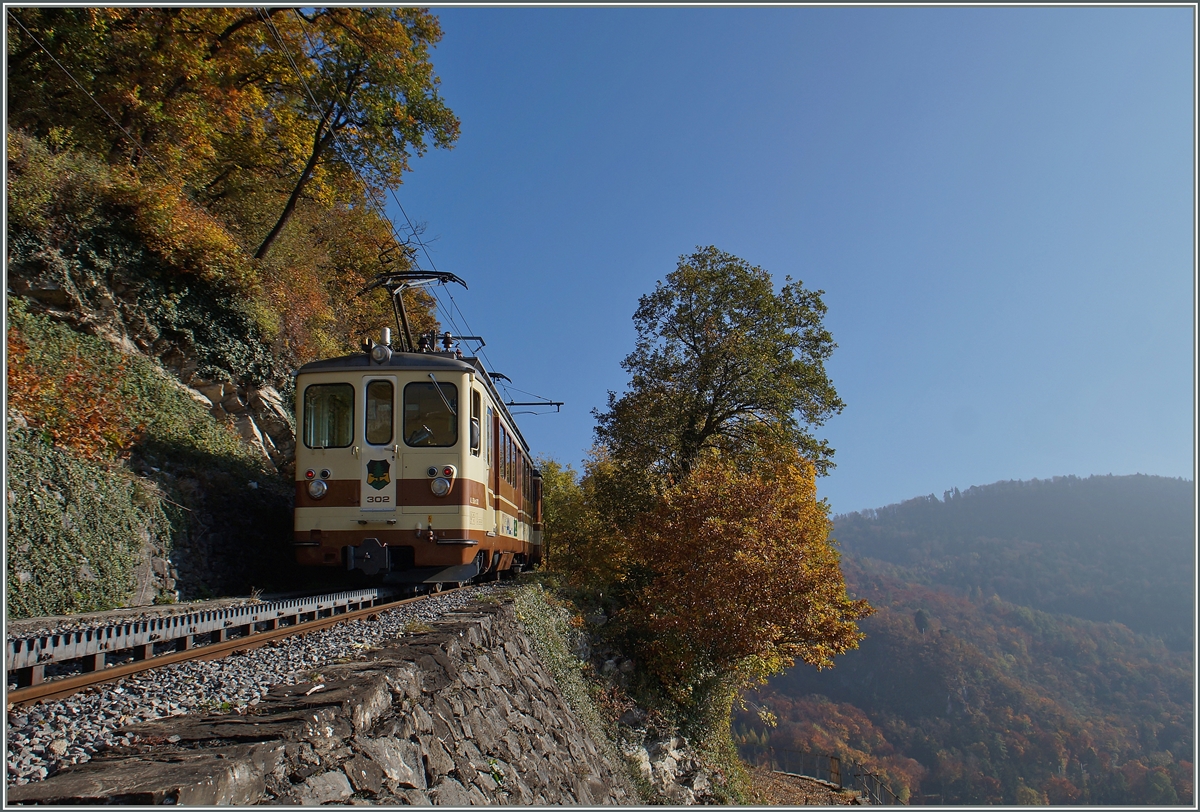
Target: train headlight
{"x":380,"y":353}
{"x":440,"y":486}
{"x":318,"y":488}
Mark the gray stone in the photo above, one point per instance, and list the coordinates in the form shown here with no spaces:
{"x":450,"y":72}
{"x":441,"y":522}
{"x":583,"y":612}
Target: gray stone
{"x":188,"y":779}
{"x":364,"y":775}
{"x":203,"y":400}
{"x":212,"y":392}
{"x":449,"y":792}
{"x":414,"y":797}
{"x":331,"y":786}
{"x":423,"y":719}
{"x":399,"y":760}
{"x":437,"y":760}
{"x":476,"y":797}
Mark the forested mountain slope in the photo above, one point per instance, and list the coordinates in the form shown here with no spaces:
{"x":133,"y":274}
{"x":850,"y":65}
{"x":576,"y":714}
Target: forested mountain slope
{"x":980,"y":680}
{"x":1101,"y":548}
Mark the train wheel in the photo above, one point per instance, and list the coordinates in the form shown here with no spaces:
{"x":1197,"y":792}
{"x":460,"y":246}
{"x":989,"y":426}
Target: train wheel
{"x":436,"y":587}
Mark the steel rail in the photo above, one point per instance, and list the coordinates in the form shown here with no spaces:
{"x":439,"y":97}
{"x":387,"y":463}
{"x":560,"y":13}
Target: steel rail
{"x":27,"y":654}
{"x":56,"y":689}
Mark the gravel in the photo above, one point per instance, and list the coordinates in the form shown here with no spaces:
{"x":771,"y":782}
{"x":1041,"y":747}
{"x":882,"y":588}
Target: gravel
{"x":42,"y":738}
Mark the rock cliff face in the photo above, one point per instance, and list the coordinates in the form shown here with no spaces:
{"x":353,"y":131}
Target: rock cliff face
{"x":196,"y":330}
{"x":465,"y":714}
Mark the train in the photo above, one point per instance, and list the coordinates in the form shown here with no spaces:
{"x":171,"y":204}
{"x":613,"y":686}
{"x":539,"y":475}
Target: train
{"x":410,"y":469}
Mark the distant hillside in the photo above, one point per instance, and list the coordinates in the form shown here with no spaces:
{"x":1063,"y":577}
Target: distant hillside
{"x":1102,"y":548}
{"x":980,"y":680}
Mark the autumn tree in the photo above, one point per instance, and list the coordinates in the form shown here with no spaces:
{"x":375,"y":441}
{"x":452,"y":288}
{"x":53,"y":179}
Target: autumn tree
{"x":369,"y":95}
{"x":168,"y":90}
{"x":579,"y":542}
{"x":723,"y":362}
{"x":222,"y":126}
{"x":705,"y":473}
{"x":247,"y":108}
{"x":741,"y":581}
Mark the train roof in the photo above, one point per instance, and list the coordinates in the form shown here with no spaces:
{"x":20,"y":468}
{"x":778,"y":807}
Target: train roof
{"x":414,"y":361}
{"x":417,"y":362}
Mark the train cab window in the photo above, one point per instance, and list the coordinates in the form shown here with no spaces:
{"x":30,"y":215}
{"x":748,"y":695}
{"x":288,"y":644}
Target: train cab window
{"x":476,"y":430}
{"x":379,"y":412}
{"x":328,"y":415}
{"x":430,"y":416}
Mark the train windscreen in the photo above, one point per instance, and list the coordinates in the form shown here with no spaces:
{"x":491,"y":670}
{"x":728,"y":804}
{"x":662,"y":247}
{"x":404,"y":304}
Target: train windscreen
{"x":430,"y":418}
{"x":328,"y":415}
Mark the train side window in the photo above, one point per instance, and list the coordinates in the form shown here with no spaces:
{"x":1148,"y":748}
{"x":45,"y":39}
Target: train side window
{"x":328,"y":415}
{"x":476,"y":430}
{"x":379,"y":412}
{"x":488,"y":442}
{"x":503,"y":461}
{"x":429,"y":417}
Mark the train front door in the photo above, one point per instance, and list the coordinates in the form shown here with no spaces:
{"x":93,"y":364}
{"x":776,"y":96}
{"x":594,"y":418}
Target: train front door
{"x":380,"y":456}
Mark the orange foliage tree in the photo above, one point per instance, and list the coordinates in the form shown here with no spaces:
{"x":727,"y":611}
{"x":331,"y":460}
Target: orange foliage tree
{"x":701,"y":492}
{"x":738,"y":580}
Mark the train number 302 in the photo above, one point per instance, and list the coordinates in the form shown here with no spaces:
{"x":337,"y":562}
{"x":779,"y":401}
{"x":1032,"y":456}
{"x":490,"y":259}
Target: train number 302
{"x":379,"y":499}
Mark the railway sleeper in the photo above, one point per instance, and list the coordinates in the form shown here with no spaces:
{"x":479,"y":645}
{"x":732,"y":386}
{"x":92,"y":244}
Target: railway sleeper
{"x":103,"y":647}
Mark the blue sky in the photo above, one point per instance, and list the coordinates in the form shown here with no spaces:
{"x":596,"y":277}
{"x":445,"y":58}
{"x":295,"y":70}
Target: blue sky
{"x":997,"y":202}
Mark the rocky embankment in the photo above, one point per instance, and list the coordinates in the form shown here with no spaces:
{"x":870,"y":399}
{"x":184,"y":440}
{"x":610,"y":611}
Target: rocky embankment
{"x":115,"y":306}
{"x":464,"y":713}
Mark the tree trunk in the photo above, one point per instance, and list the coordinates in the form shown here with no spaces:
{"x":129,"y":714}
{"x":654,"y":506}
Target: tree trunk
{"x":319,"y":146}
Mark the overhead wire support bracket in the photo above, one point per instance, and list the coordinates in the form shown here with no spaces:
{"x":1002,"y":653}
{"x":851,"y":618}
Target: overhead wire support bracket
{"x":557,"y":404}
{"x":397,"y":280}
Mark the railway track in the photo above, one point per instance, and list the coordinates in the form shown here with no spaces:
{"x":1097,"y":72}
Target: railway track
{"x":52,"y":729}
{"x":109,"y":651}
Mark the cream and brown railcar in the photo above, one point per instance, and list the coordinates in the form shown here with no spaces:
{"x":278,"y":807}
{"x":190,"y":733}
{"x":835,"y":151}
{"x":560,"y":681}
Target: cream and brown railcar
{"x":409,"y":466}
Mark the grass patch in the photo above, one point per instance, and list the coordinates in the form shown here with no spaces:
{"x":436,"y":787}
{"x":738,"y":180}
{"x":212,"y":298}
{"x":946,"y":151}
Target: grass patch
{"x":76,"y":531}
{"x":568,"y":627}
